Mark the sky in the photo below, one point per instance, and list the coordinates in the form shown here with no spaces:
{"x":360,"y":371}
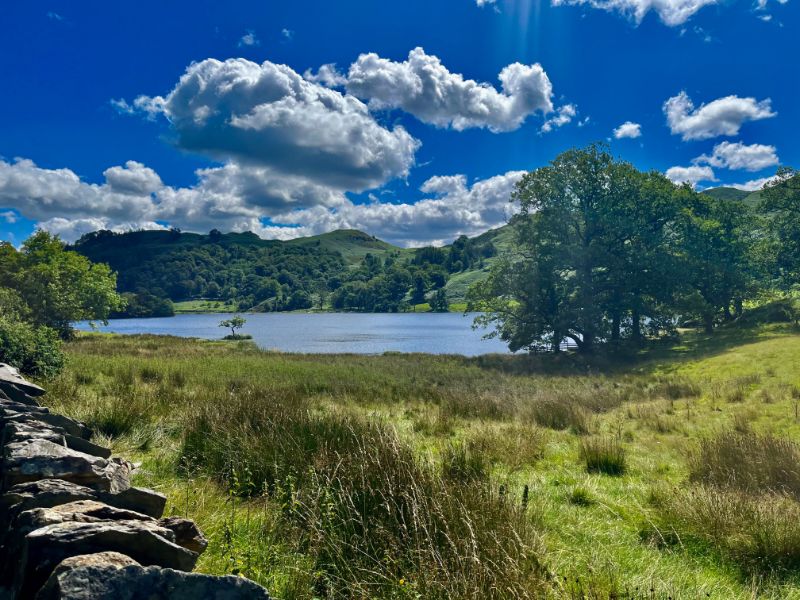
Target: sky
{"x":409,"y":120}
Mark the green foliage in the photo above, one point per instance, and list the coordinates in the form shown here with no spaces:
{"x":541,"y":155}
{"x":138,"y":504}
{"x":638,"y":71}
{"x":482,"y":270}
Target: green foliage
{"x":34,"y":350}
{"x":144,"y":305}
{"x":439,"y":301}
{"x":780,"y":199}
{"x":604,"y":252}
{"x":234,"y":323}
{"x":59,"y":286}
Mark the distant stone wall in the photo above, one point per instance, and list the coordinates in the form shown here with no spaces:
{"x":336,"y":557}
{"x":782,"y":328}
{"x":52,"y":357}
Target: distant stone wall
{"x":73,"y":527}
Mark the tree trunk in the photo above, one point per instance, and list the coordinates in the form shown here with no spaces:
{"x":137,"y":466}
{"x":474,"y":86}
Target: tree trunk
{"x":615,"y":326}
{"x":636,"y":325}
{"x":737,"y":307}
{"x":728,"y":315}
{"x":708,"y":322}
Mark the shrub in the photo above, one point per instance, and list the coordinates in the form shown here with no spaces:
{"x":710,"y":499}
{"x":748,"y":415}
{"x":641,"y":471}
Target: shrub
{"x":748,"y":462}
{"x":35,"y":351}
{"x":462,"y":463}
{"x":559,"y":415}
{"x":603,"y":455}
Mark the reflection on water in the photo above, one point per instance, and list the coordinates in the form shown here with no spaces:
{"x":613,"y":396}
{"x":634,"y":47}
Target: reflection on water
{"x":445,"y":333}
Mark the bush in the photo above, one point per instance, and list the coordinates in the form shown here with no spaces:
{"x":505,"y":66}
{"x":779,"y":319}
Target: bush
{"x":33,"y":350}
{"x":748,"y":462}
{"x":603,"y":455}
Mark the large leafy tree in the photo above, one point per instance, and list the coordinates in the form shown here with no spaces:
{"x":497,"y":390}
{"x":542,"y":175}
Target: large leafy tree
{"x":59,"y":286}
{"x":585,"y":243}
{"x":781,"y":202}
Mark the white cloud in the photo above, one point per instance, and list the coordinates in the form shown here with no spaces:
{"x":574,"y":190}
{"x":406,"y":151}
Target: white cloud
{"x":9,"y":216}
{"x":728,"y":155}
{"x":723,"y":116}
{"x":671,"y":12}
{"x":484,"y":2}
{"x":326,"y":75}
{"x":754,"y":184}
{"x":453,"y":208}
{"x":239,"y":198}
{"x":563,"y":115}
{"x":425,"y":88}
{"x":287,"y":34}
{"x":249,"y":39}
{"x":692,"y":175}
{"x":628,"y":129}
{"x":268,"y":115}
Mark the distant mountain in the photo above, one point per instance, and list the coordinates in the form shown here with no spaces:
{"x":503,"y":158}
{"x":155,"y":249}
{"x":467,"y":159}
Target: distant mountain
{"x":352,"y":244}
{"x":729,"y":193}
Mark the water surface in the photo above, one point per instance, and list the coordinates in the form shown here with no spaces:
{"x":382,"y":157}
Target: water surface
{"x":359,"y":333}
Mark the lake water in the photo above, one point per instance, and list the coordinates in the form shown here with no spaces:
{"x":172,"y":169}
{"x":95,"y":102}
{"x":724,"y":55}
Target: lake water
{"x":359,"y":333}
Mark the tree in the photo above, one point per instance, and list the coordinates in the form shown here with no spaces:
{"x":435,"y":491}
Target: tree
{"x":595,"y":256}
{"x":781,"y":202}
{"x":439,"y":301}
{"x":60,"y":286}
{"x":234,"y":323}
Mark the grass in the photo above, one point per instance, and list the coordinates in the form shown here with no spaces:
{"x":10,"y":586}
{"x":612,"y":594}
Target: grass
{"x":204,"y":306}
{"x":410,"y":476}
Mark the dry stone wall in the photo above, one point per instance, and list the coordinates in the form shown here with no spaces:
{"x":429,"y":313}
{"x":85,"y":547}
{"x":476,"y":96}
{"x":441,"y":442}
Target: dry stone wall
{"x":72,"y":526}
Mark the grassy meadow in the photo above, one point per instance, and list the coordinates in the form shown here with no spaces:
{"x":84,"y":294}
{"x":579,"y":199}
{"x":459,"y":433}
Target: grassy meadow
{"x":669,"y":473}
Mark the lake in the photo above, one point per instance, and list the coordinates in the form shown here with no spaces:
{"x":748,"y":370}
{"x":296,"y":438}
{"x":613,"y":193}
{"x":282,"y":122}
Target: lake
{"x":327,"y":333}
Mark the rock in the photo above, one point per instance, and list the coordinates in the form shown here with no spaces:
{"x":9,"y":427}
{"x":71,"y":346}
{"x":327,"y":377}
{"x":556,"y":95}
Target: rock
{"x":20,"y":431}
{"x":47,"y":493}
{"x":141,"y":500}
{"x":12,"y":392}
{"x":149,"y":583}
{"x":104,"y":560}
{"x":10,"y":375}
{"x":16,"y":412}
{"x":80,"y":511}
{"x":43,"y":459}
{"x":85,"y":446}
{"x":144,"y":541}
{"x":186,"y":533}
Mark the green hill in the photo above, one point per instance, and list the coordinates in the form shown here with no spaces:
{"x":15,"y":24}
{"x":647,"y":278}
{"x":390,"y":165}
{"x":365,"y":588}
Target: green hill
{"x":352,"y":244}
{"x":726,"y":193}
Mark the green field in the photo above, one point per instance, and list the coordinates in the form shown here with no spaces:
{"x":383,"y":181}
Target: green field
{"x":668,"y":473}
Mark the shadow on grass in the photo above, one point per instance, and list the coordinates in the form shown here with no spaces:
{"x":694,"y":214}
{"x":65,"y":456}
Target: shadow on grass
{"x":663,"y":355}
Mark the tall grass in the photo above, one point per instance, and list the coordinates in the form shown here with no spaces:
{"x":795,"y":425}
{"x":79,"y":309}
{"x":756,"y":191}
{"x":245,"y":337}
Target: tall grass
{"x":375,"y":518}
{"x":748,"y":461}
{"x":760,"y":534}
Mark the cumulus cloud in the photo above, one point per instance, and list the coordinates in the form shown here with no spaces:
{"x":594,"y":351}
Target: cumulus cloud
{"x":453,"y":208}
{"x":562,"y":116}
{"x":692,"y":175}
{"x":9,"y":216}
{"x":754,"y":184}
{"x":628,"y":129}
{"x":327,"y":75}
{"x":268,"y":115}
{"x":723,"y":116}
{"x":425,"y":88}
{"x":671,"y":12}
{"x":237,"y":197}
{"x":739,"y":156}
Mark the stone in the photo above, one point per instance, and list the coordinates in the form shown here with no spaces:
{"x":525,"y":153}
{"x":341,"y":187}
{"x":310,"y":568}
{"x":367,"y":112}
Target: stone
{"x":10,"y":375}
{"x":43,"y":459}
{"x":144,"y":541}
{"x":187,"y":534}
{"x":15,"y":412}
{"x":148,"y":583}
{"x":105,"y":560}
{"x":47,"y":493}
{"x":80,"y":511}
{"x":19,"y":431}
{"x":141,"y":500}
{"x":12,"y":392}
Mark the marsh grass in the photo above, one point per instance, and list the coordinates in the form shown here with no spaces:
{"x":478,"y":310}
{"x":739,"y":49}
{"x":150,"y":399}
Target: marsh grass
{"x":760,"y":534}
{"x":604,"y":455}
{"x":749,"y":462}
{"x":367,"y":510}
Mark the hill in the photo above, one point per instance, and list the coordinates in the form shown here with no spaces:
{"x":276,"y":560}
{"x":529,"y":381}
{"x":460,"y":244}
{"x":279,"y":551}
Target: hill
{"x":729,"y":193}
{"x":345,"y":269}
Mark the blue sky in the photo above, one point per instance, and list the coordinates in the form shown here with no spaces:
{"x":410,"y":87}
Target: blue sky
{"x":204,"y":114}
